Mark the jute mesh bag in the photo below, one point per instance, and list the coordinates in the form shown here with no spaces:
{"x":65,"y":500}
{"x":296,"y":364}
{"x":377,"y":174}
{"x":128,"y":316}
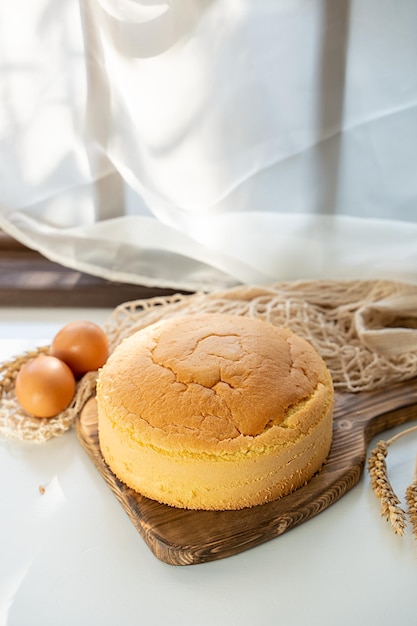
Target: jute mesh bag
{"x":366,"y":331}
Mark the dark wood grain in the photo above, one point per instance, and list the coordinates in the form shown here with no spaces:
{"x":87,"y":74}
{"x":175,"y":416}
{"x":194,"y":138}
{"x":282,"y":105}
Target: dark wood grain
{"x":181,"y":537}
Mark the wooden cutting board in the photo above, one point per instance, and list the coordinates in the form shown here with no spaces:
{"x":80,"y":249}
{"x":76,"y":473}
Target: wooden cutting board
{"x":181,"y":537}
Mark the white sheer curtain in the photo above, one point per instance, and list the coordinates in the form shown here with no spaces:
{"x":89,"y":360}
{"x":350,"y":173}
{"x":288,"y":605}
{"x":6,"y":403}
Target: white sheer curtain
{"x":204,"y":143}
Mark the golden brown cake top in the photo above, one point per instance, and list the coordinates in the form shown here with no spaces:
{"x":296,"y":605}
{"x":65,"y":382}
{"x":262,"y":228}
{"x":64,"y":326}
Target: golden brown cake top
{"x":207,"y":379}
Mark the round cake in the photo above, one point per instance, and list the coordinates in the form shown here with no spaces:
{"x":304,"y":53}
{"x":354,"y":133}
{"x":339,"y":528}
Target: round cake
{"x":214,"y":411}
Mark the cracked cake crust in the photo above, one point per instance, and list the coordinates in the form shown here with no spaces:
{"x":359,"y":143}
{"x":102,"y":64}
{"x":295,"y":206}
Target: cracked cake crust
{"x":214,"y":411}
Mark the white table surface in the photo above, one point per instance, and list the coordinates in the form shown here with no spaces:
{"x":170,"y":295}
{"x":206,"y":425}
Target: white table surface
{"x":72,"y":556}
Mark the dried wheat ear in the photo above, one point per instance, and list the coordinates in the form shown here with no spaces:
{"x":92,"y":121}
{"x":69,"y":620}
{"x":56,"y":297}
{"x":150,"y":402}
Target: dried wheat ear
{"x":391,"y":508}
{"x":411,"y":499}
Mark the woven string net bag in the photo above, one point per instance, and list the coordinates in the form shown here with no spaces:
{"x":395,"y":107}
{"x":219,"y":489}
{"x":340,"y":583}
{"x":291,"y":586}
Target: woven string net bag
{"x":366,"y":331}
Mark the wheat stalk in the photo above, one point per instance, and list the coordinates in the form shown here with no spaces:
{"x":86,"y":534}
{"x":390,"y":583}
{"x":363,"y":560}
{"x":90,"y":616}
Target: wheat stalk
{"x":381,"y":485}
{"x":411,"y":499}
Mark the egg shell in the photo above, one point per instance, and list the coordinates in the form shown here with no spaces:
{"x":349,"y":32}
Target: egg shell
{"x":45,"y":386}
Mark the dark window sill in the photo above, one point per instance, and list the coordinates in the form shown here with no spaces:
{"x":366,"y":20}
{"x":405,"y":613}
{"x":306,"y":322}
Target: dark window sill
{"x":27,"y":279}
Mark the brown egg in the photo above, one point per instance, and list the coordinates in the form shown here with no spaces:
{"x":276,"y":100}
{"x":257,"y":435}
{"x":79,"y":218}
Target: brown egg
{"x":44,"y":386}
{"x":82,"y":345}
